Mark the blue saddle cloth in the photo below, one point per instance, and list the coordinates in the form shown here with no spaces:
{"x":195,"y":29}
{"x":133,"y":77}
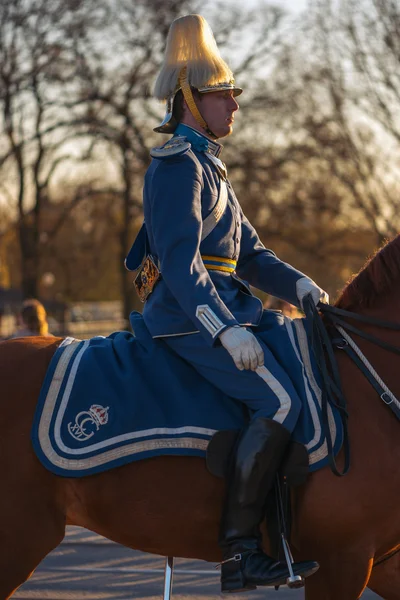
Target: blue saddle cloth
{"x":109,"y":401}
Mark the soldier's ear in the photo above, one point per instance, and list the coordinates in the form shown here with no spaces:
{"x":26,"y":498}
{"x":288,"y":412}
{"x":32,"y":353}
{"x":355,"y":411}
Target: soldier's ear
{"x":180,"y":106}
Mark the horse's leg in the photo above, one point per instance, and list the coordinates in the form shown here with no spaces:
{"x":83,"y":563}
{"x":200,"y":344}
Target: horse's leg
{"x":343,"y":576}
{"x":385,"y":578}
{"x":25,"y":540}
{"x":31,"y":525}
{"x":32,"y":500}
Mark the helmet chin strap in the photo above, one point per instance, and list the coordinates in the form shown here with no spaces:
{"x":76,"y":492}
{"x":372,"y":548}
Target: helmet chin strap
{"x":190,"y":101}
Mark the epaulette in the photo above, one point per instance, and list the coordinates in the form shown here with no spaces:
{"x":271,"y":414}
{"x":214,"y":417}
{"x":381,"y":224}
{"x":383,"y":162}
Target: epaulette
{"x":174,"y":147}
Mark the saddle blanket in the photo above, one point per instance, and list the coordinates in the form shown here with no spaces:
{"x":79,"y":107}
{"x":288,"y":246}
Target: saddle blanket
{"x":111,"y":400}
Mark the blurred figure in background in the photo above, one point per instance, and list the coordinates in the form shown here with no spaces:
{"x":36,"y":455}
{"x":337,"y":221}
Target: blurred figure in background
{"x":273,"y":303}
{"x":32,"y":320}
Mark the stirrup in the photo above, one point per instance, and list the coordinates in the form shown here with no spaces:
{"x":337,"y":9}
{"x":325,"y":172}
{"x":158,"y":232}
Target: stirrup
{"x":293,"y":581}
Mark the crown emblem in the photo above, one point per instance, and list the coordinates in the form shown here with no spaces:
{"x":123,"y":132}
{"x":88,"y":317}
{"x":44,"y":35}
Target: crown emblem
{"x":99,"y":413}
{"x":88,"y":422}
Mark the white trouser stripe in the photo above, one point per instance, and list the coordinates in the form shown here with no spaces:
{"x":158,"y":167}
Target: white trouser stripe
{"x":279,"y":391}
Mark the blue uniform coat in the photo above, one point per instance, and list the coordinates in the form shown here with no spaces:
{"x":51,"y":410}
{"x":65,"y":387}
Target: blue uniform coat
{"x":181,"y":188}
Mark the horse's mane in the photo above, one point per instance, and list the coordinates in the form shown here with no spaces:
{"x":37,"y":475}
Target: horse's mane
{"x":375,"y":278}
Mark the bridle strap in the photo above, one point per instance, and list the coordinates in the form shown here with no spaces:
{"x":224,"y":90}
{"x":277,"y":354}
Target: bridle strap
{"x":334,"y":311}
{"x":322,"y":344}
{"x":332,"y":316}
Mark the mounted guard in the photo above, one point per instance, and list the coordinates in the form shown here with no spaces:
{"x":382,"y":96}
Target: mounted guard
{"x":196,"y":255}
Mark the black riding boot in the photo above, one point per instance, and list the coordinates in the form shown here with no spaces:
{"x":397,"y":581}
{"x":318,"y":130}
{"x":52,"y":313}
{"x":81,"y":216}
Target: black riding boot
{"x":258,"y":455}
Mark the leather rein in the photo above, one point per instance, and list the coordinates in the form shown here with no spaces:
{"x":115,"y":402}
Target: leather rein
{"x":325,"y":335}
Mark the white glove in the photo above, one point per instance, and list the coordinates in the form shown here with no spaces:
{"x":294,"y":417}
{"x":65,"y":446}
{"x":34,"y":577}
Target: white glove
{"x":243,"y":347}
{"x":305,"y":286}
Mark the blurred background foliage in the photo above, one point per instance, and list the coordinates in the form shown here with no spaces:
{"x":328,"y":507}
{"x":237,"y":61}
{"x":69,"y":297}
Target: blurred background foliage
{"x":314,"y":158}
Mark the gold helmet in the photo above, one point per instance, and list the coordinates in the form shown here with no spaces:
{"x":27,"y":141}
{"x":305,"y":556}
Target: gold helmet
{"x":192,"y":60}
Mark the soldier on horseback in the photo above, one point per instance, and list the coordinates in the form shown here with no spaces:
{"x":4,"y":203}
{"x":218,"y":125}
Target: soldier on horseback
{"x":197,"y":253}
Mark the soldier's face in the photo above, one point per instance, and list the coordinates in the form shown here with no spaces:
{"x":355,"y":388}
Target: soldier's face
{"x":218,"y":110}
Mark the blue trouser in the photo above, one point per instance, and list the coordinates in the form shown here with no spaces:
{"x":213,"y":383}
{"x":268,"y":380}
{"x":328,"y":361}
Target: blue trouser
{"x":270,"y":392}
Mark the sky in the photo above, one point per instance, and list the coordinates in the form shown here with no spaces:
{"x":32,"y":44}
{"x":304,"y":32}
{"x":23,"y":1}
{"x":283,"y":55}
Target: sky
{"x":292,"y":5}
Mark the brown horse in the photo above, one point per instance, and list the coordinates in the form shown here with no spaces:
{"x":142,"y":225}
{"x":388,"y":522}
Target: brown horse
{"x":171,"y":505}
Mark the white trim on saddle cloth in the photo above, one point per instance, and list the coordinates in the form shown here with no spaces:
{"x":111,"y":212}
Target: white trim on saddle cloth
{"x":107,"y":456}
{"x":320,"y":453}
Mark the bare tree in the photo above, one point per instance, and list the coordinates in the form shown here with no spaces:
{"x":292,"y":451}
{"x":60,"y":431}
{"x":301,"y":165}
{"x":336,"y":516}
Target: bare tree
{"x":353,"y":89}
{"x":37,"y":72}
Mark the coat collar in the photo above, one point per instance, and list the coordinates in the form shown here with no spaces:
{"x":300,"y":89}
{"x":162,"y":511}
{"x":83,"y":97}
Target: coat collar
{"x":199,"y":142}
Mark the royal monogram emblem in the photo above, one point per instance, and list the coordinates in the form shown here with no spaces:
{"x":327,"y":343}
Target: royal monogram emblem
{"x":147,"y":277}
{"x":88,"y":422}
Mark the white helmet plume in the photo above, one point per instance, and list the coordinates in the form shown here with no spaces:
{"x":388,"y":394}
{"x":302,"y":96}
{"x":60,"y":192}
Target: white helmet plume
{"x":191,"y":44}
